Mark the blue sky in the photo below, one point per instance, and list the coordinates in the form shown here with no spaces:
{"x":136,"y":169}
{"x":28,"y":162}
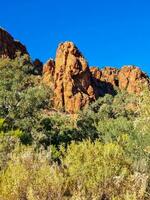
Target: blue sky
{"x":108,"y":32}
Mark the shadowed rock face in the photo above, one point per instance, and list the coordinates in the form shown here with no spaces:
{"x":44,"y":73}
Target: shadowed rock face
{"x":104,"y":81}
{"x":38,"y":67}
{"x":75,"y":85}
{"x":128,"y":78}
{"x":9,"y":47}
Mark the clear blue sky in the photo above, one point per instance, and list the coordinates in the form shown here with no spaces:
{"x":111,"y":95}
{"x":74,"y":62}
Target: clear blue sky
{"x":108,"y":32}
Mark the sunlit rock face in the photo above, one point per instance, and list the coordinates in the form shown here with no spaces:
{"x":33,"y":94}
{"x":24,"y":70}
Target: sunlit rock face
{"x":75,"y":84}
{"x":128,"y":78}
{"x":72,"y":79}
{"x":132,"y":79}
{"x":48,"y":73}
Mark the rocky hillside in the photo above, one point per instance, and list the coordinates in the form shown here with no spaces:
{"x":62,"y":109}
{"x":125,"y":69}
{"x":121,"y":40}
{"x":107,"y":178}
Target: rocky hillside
{"x":74,"y":82}
{"x":9,"y":47}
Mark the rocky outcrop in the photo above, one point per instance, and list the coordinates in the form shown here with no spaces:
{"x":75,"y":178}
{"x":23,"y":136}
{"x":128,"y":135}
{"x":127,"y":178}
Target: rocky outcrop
{"x":128,"y":78}
{"x":132,"y":79}
{"x":48,"y":73}
{"x":75,"y":85}
{"x":9,"y":47}
{"x":72,"y":79}
{"x":105,"y":81}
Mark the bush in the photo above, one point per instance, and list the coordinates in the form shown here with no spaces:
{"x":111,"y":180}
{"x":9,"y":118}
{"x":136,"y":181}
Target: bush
{"x":88,"y":171}
{"x":96,"y":170}
{"x":100,"y":153}
{"x":30,"y":176}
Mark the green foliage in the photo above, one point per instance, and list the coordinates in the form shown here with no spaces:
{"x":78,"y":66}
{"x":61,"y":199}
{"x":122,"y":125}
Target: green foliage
{"x":101,"y":153}
{"x":8,"y":141}
{"x":95,"y":169}
{"x":21,"y":96}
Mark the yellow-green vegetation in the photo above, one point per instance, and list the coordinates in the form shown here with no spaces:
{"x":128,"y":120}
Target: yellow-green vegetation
{"x":87,"y":171}
{"x":103,"y":153}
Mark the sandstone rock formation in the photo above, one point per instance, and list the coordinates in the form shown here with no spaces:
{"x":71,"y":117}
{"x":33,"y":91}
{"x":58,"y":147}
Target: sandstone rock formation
{"x":72,"y":79}
{"x":48,"y":73}
{"x":75,"y":85}
{"x":105,"y":81}
{"x":132,"y":79}
{"x":9,"y":47}
{"x":128,"y":78}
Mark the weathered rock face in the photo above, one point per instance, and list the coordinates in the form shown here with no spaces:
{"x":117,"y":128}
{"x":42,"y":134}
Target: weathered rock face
{"x":9,"y":47}
{"x":104,"y":80}
{"x":48,"y":73}
{"x":75,"y":85}
{"x":72,"y":79}
{"x":128,"y":78}
{"x":132,"y":79}
{"x":110,"y":75}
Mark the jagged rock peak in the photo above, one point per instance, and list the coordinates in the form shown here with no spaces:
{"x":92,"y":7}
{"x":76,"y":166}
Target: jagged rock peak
{"x":9,"y":47}
{"x":75,"y":85}
{"x":72,"y":79}
{"x":69,"y":47}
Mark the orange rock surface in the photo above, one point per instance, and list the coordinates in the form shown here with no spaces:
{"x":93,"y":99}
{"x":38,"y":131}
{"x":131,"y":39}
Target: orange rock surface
{"x":72,"y":79}
{"x":75,"y":85}
{"x":48,"y":73}
{"x":132,"y":79}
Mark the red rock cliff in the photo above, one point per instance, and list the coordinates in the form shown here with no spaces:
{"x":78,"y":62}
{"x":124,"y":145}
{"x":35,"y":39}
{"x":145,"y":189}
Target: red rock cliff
{"x":75,"y":85}
{"x":9,"y":47}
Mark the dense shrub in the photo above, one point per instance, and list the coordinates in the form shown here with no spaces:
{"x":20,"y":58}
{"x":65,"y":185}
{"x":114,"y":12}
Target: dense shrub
{"x":22,"y":98}
{"x":101,"y":153}
{"x":88,"y":171}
